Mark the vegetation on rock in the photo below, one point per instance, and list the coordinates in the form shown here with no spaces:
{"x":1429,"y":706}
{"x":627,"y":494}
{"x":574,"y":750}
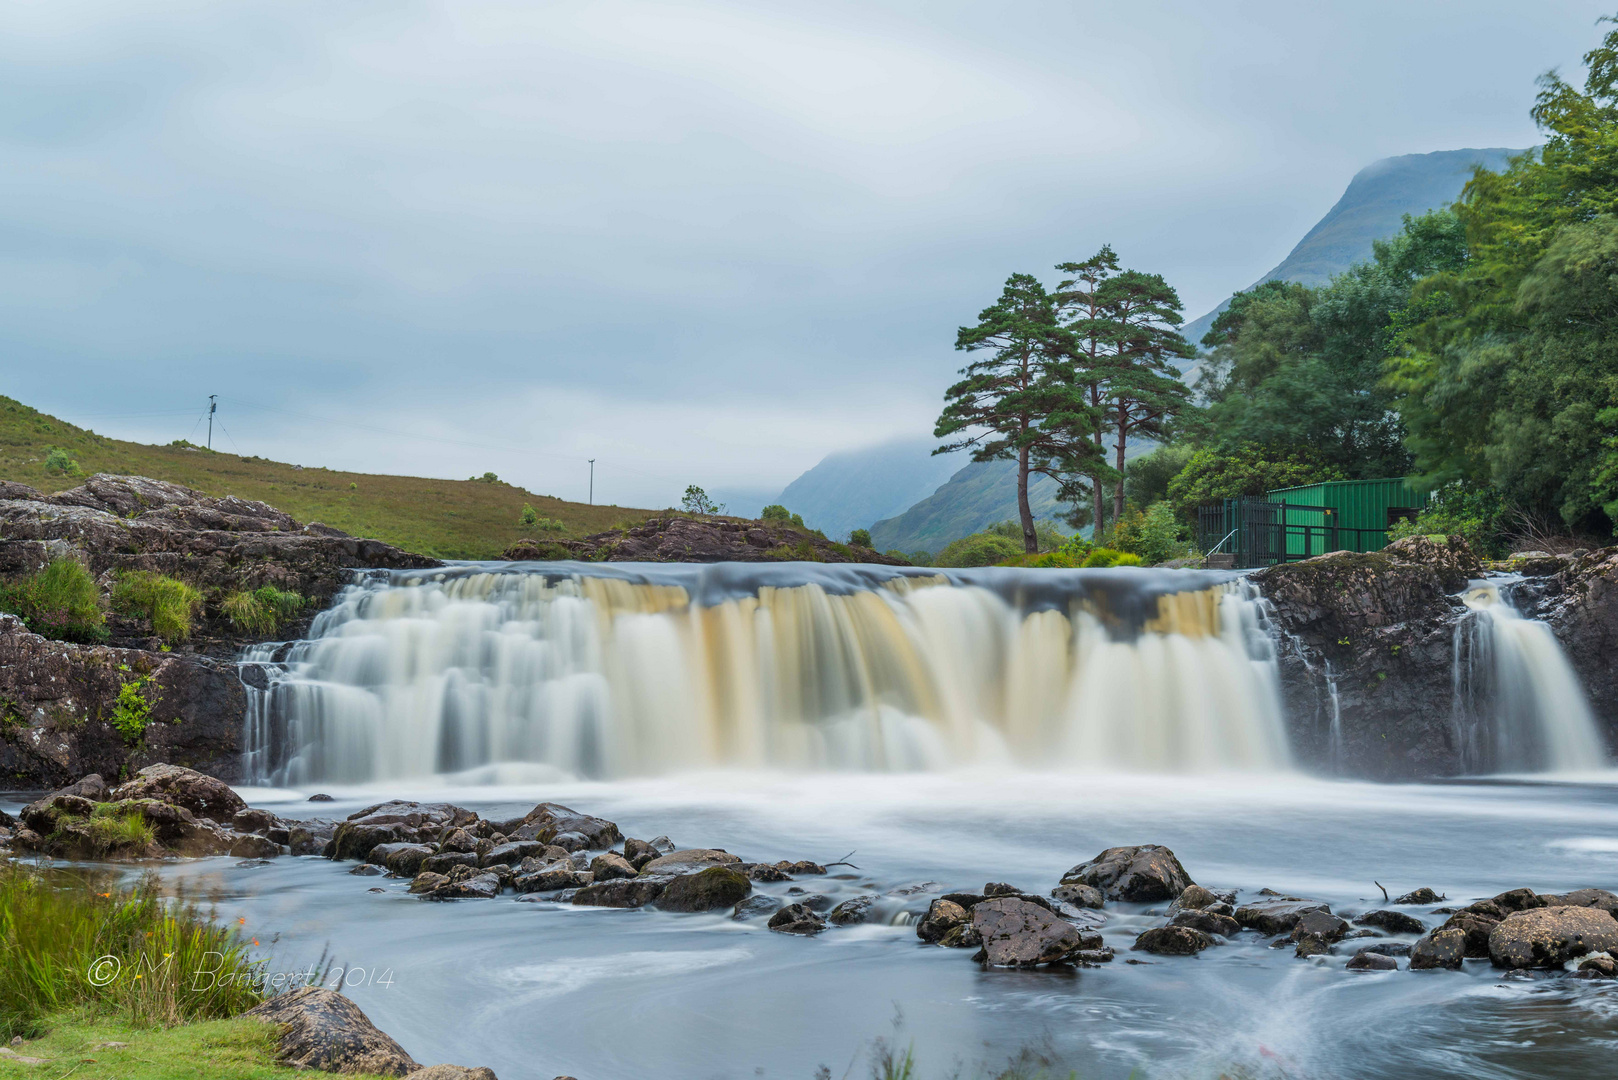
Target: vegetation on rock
{"x":167,"y":603}
{"x":61,"y":601}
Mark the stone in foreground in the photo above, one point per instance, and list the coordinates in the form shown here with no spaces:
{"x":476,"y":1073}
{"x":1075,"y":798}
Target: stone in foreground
{"x":1372,"y":961}
{"x":797,"y":919}
{"x":1394,"y":922}
{"x":322,"y":1029}
{"x":1017,"y":933}
{"x":1550,"y":937}
{"x":1142,"y":875}
{"x":706,"y":890}
{"x":942,"y":916}
{"x":1439,"y":949}
{"x":1173,"y":941}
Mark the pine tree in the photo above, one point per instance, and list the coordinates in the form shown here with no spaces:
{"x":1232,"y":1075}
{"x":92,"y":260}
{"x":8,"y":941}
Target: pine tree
{"x":1094,"y":332}
{"x":1022,"y":395}
{"x":1144,"y":392}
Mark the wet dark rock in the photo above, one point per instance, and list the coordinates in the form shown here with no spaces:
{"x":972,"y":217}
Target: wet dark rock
{"x":248,"y":846}
{"x":967,"y":900}
{"x":706,"y":890}
{"x":1208,"y":922}
{"x":763,"y":872}
{"x":1443,"y":948}
{"x":366,"y":870}
{"x":689,"y":860}
{"x":320,"y":797}
{"x":855,"y":910}
{"x":1388,"y":948}
{"x":1601,"y":964}
{"x":1477,"y":929}
{"x":1193,"y":898}
{"x":796,"y":919}
{"x":551,"y":879}
{"x":322,"y":1029}
{"x":1322,"y":924}
{"x":474,"y":886}
{"x":1517,"y":900}
{"x":205,"y":796}
{"x":1173,"y":941}
{"x":943,"y":915}
{"x":426,"y":881}
{"x":1143,"y":874}
{"x":756,"y":907}
{"x":962,"y":936}
{"x":1000,"y":888}
{"x":802,"y":866}
{"x":1079,"y":895}
{"x":458,"y":840}
{"x":445,"y":861}
{"x":1394,"y":922}
{"x":662,"y":845}
{"x":1017,"y":933}
{"x":1422,"y":895}
{"x":255,"y":821}
{"x":638,"y":852}
{"x":1549,"y":937}
{"x":1276,"y":916}
{"x":1596,"y":898}
{"x":512,"y":852}
{"x":552,"y":823}
{"x":611,"y":865}
{"x":1366,"y":960}
{"x":309,"y":838}
{"x":621,"y":893}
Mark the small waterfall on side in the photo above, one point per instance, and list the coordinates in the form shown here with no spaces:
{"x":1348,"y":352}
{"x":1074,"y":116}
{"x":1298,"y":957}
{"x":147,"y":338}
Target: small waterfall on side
{"x":1518,"y":706}
{"x":606,"y":671}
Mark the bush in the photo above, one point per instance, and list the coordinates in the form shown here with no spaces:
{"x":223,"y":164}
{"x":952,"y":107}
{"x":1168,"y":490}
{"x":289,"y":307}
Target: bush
{"x":486,"y":478}
{"x":1103,"y":557}
{"x":1154,"y":534}
{"x":263,"y":610}
{"x":62,"y":602}
{"x":1046,"y":535}
{"x":1481,"y":515}
{"x":60,"y":461}
{"x":860,"y":538}
{"x":58,"y":929}
{"x":979,"y":549}
{"x":168,"y":604}
{"x":529,"y":516}
{"x":781,"y":515}
{"x":918,"y":558}
{"x":130,"y":711}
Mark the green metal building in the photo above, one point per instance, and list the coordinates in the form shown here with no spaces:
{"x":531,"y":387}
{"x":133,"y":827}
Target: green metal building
{"x":1343,"y":515}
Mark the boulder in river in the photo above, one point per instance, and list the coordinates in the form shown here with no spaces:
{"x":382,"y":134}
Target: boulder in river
{"x":622,"y":892}
{"x":1366,"y":960}
{"x":552,"y":879}
{"x":638,"y":852}
{"x":1394,"y":922}
{"x":797,"y":919}
{"x":855,"y":910}
{"x":1194,"y":898}
{"x":1276,"y":916}
{"x":552,"y":823}
{"x":706,"y":890}
{"x":1420,"y":896}
{"x":1017,"y":933}
{"x":943,"y":915}
{"x":1173,"y":940}
{"x":1596,"y":898}
{"x":512,"y":852}
{"x":1079,"y":895}
{"x":1321,"y":925}
{"x":802,"y":866}
{"x":203,"y":795}
{"x":689,"y":861}
{"x":611,"y":865}
{"x":757,"y":906}
{"x":1208,"y":922}
{"x":465,"y":883}
{"x":1443,"y":948}
{"x":322,"y":1029}
{"x":1549,"y":937}
{"x":1144,"y":874}
{"x":1477,"y":927}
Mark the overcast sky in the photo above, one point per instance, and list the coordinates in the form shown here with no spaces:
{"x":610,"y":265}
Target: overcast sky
{"x":702,"y":243}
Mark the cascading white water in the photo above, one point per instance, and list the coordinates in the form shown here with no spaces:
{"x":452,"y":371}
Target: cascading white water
{"x":1518,"y":704}
{"x":599,"y":671}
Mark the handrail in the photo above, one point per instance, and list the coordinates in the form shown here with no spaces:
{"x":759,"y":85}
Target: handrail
{"x":1221,"y":543}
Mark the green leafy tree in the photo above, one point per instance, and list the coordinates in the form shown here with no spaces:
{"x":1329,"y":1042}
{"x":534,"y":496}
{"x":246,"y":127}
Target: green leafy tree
{"x":860,"y":538}
{"x":1145,"y":394}
{"x":1094,"y":332}
{"x":1019,"y":401}
{"x":696,"y":501}
{"x":1250,"y":470}
{"x":529,"y":515}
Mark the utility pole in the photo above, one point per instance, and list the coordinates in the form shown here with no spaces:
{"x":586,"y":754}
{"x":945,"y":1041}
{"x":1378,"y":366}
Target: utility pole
{"x":212,"y":405}
{"x":592,"y":481}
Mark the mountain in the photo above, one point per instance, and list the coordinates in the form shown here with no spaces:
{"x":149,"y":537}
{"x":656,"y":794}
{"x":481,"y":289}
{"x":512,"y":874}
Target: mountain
{"x":977,"y":496}
{"x":1372,"y":208}
{"x":852,"y":488}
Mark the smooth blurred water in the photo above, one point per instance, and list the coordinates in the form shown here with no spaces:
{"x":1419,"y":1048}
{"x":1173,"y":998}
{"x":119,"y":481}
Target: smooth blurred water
{"x":544,"y":990}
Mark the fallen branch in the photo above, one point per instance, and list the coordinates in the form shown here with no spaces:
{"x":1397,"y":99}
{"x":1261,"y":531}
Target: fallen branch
{"x":843,"y":862}
{"x":1378,"y":884}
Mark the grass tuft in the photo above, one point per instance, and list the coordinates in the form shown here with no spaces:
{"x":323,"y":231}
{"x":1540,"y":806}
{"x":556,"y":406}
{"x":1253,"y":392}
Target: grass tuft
{"x":61,"y":601}
{"x":169,"y":604}
{"x":262,"y":611}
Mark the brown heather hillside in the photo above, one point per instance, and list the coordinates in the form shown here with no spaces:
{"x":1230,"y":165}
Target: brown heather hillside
{"x":448,"y":519}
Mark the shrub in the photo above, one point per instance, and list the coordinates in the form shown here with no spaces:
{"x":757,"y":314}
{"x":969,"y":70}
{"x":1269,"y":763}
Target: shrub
{"x":979,"y":549}
{"x":167,"y":603}
{"x":1046,"y":534}
{"x":1245,"y":470}
{"x":130,"y":711}
{"x":58,"y":929}
{"x":860,"y":538}
{"x":1481,"y":515}
{"x":529,"y":515}
{"x":775,"y":512}
{"x":1154,"y":534}
{"x":62,"y":601}
{"x":263,"y":610}
{"x":486,"y":478}
{"x":60,"y":461}
{"x":918,"y":558}
{"x":1104,"y":557}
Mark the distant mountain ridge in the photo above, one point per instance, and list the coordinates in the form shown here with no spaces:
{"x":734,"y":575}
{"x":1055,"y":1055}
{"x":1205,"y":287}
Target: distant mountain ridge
{"x":852,"y":488}
{"x":1372,"y":208}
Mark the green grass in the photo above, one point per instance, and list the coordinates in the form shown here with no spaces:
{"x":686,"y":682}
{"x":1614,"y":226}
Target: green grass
{"x":450,"y":519}
{"x":263,"y":610}
{"x":61,"y":601}
{"x":55,"y":925}
{"x":169,"y":604}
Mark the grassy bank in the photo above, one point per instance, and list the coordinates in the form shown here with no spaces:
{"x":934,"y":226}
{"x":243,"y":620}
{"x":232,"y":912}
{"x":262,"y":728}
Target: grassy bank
{"x":452,"y":519}
{"x":99,"y":1049}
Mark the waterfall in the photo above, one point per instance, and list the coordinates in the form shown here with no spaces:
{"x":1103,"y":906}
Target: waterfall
{"x":1518,"y":706}
{"x":606,"y":670}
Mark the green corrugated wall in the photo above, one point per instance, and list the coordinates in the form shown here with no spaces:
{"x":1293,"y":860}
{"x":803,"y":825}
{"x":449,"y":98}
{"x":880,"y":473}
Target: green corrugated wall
{"x":1359,"y":505}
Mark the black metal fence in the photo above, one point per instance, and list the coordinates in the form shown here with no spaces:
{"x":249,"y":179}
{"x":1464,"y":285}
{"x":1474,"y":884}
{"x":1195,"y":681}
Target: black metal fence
{"x":1257,"y":532}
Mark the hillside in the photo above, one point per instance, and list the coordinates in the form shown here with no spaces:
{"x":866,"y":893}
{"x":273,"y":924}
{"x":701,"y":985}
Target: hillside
{"x":977,"y":496}
{"x":852,"y":488}
{"x":450,"y":519}
{"x":1371,"y":208}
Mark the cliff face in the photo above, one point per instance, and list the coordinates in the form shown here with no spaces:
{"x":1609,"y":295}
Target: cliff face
{"x":1369,"y":649}
{"x":58,"y":700}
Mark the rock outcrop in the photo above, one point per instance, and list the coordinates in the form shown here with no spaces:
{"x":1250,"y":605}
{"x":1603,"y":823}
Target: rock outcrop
{"x":57,"y":700}
{"x":675,"y":538}
{"x":322,"y":1029}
